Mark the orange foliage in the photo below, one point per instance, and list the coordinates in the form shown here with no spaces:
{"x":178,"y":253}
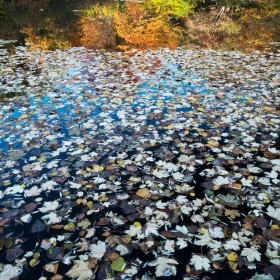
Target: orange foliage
{"x":98,"y":33}
{"x":259,"y":27}
{"x":140,"y":30}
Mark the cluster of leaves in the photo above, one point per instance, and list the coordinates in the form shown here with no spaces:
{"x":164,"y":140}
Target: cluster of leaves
{"x":149,"y":24}
{"x":141,"y":158}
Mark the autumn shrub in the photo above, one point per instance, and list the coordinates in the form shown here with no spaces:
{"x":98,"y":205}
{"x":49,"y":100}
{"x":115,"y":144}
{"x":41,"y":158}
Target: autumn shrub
{"x":147,"y":24}
{"x":138,"y":29}
{"x":259,"y":27}
{"x":97,"y":28}
{"x":209,"y":29}
{"x":44,"y":39}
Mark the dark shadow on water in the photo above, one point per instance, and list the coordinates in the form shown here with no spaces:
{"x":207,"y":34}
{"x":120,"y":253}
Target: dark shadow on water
{"x":52,"y":18}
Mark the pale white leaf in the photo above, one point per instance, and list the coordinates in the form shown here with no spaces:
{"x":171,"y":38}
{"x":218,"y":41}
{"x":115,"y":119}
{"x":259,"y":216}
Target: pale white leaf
{"x":232,"y":245}
{"x":200,"y":262}
{"x":9,"y":272}
{"x":216,"y":232}
{"x":273,"y":212}
{"x":97,"y":250}
{"x":169,"y":246}
{"x":52,"y":218}
{"x":251,"y":254}
{"x":49,"y":206}
{"x":164,"y":264}
{"x":181,"y":243}
{"x":122,"y":249}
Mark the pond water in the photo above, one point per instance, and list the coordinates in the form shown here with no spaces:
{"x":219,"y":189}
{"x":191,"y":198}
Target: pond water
{"x":54,"y":19}
{"x":117,"y":161}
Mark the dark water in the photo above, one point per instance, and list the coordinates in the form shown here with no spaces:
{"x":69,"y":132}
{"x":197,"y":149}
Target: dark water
{"x":52,"y":18}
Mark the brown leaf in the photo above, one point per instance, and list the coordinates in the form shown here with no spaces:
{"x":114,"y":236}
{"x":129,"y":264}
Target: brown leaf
{"x":168,"y":234}
{"x":57,"y":277}
{"x":261,"y":222}
{"x":110,"y":255}
{"x":248,"y":226}
{"x":232,"y":213}
{"x":103,"y":221}
{"x":56,"y":226}
{"x":259,"y":239}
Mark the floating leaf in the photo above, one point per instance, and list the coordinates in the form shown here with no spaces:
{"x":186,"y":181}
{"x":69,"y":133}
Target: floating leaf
{"x":144,"y":193}
{"x":232,"y":257}
{"x":118,"y":265}
{"x":38,"y":226}
{"x":12,"y":254}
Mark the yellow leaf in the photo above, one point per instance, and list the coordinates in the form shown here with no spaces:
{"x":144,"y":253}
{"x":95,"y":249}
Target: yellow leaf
{"x":202,"y":230}
{"x":192,"y":194}
{"x":203,"y":134}
{"x":170,"y":127}
{"x":70,"y":226}
{"x":271,"y":123}
{"x":126,"y":238}
{"x":232,"y":257}
{"x":32,"y":262}
{"x":36,"y":255}
{"x":143,"y":193}
{"x":275,"y":226}
{"x":233,"y":265}
{"x":213,"y":143}
{"x":103,"y":197}
{"x":23,"y":116}
{"x":97,"y":168}
{"x":137,"y":224}
{"x":182,"y":150}
{"x":79,"y":201}
{"x":89,"y":204}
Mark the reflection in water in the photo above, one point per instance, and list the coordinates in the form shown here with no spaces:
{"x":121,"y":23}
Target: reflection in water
{"x":55,"y":22}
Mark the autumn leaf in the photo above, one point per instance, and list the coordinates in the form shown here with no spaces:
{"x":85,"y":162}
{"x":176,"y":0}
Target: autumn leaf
{"x":118,"y":264}
{"x":98,"y":250}
{"x":10,"y":272}
{"x":83,"y":244}
{"x":80,"y":271}
{"x":251,"y":254}
{"x":144,"y":193}
{"x":232,"y":213}
{"x":200,"y":262}
{"x":164,"y":264}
